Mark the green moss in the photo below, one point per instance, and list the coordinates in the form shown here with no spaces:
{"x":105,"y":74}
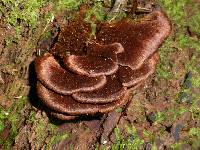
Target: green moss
{"x":151,"y":138}
{"x":194,"y":108}
{"x":119,"y":110}
{"x":175,"y":10}
{"x":12,"y":117}
{"x":194,"y":23}
{"x":48,"y":132}
{"x":131,"y":142}
{"x":21,"y":14}
{"x":3,"y":116}
{"x":177,"y":146}
{"x":192,"y":140}
{"x":194,"y":134}
{"x":169,"y":115}
{"x":179,"y":40}
{"x":68,"y":4}
{"x":94,"y":14}
{"x":31,"y":117}
{"x":40,"y":131}
{"x":95,"y":11}
{"x":194,"y":19}
{"x":116,"y":16}
{"x":57,"y":138}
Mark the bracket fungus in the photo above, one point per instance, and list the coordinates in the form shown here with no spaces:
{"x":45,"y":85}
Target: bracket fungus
{"x":96,"y":76}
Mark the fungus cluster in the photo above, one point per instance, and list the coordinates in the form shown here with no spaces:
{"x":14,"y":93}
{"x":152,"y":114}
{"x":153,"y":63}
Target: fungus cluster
{"x":80,"y":77}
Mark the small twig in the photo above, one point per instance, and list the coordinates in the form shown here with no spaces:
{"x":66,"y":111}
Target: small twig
{"x":118,"y":6}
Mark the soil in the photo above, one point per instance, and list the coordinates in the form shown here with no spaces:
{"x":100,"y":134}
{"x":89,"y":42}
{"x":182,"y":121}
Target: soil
{"x":17,"y":78}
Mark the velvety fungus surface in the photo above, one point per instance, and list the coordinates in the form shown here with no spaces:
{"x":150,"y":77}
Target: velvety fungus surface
{"x":111,"y":91}
{"x":66,"y":104}
{"x":100,"y":60}
{"x":140,"y":39}
{"x":53,"y":76}
{"x":84,"y":76}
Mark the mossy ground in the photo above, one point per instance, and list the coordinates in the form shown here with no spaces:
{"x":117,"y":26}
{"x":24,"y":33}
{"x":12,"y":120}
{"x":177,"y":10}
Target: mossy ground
{"x":176,"y":82}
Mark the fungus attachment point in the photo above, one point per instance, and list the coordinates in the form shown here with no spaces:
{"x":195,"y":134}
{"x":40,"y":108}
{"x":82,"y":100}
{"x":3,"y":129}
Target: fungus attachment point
{"x":95,"y":77}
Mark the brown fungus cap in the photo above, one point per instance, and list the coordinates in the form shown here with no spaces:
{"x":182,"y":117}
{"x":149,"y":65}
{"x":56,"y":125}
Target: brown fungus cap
{"x":53,"y":76}
{"x":110,"y":92}
{"x":72,"y":38}
{"x":66,"y":104}
{"x":87,"y":77}
{"x":109,"y":50}
{"x":92,"y":66}
{"x":101,"y":60}
{"x":139,"y":39}
{"x":131,"y":77}
{"x":62,"y":116}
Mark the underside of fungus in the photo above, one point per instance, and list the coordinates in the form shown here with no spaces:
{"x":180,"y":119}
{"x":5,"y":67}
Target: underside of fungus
{"x":79,"y":76}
